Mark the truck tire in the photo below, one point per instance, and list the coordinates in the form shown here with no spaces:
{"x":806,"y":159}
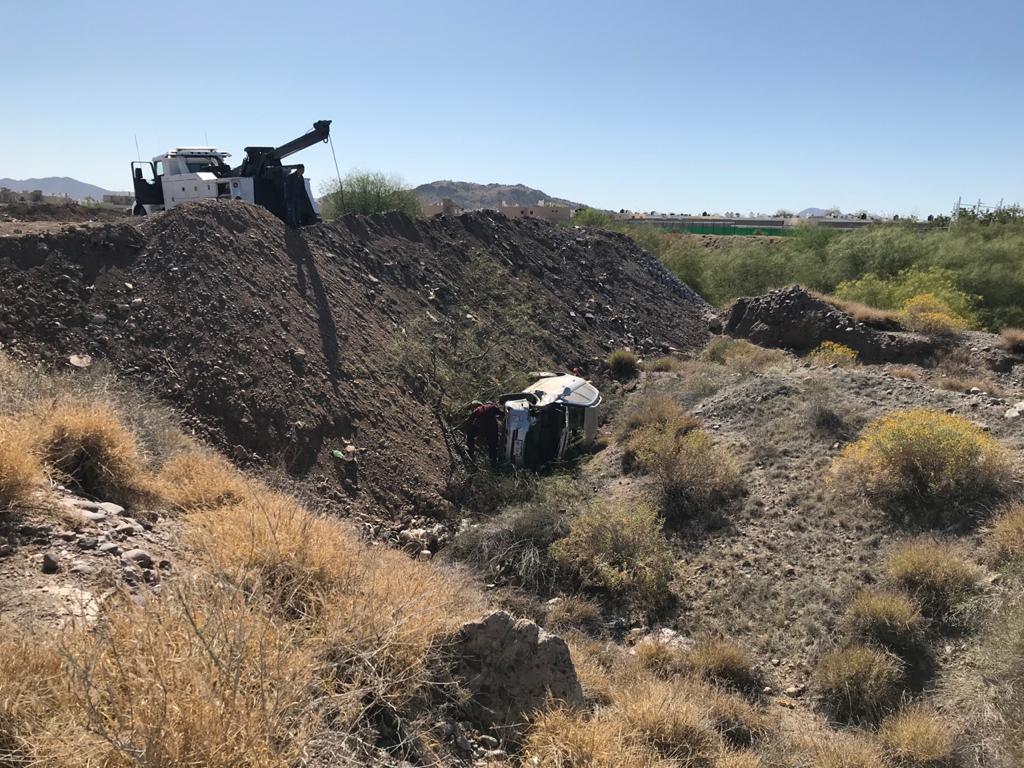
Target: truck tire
{"x":139,"y":210}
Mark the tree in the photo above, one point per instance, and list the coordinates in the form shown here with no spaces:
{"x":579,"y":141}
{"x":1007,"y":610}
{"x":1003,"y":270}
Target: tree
{"x":368,"y":192}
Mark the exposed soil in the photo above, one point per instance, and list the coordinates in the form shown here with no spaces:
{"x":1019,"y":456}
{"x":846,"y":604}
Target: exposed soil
{"x":278,"y":344}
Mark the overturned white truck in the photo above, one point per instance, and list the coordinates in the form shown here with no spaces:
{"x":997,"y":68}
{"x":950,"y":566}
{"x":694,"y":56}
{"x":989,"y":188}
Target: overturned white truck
{"x":544,"y":419}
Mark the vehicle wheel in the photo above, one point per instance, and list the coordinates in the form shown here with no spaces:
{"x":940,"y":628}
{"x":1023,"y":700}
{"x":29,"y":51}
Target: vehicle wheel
{"x":139,"y":210}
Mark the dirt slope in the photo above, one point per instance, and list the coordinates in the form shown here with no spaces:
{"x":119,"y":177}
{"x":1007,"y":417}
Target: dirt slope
{"x":280,"y":343}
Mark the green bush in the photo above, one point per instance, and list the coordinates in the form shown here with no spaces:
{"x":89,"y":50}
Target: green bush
{"x":916,"y":463}
{"x":368,"y":192}
{"x":618,"y":549}
{"x":693,"y":473}
{"x":623,"y":363}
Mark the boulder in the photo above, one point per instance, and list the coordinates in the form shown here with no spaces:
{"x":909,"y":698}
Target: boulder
{"x":511,"y":666}
{"x":794,"y":319}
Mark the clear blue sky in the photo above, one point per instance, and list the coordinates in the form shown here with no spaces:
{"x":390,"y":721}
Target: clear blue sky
{"x":896,"y":106}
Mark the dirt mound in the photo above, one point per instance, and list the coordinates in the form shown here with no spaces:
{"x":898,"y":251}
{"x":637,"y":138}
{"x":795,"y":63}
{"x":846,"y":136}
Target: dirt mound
{"x":13,"y":212}
{"x":282,"y":344}
{"x":794,"y":319}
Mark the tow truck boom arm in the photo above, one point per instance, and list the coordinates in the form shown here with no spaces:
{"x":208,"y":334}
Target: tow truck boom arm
{"x":321,"y":130}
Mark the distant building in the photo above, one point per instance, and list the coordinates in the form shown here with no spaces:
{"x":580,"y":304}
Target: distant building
{"x":542,"y":210}
{"x":446,"y":207}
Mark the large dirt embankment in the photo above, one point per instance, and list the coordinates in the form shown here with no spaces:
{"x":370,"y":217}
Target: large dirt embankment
{"x":280,"y":345}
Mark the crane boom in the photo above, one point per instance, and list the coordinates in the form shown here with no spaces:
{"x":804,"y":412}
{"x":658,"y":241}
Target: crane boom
{"x":321,"y":130}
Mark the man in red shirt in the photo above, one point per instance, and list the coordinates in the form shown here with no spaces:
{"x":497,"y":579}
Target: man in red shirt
{"x":484,"y":422}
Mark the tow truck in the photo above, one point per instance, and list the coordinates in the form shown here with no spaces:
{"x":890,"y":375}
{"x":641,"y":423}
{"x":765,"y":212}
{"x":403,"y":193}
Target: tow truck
{"x":197,"y":173}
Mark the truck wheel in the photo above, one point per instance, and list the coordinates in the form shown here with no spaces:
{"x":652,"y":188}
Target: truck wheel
{"x":139,"y":210}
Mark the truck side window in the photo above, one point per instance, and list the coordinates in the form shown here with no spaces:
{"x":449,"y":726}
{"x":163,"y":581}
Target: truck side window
{"x":159,"y":167}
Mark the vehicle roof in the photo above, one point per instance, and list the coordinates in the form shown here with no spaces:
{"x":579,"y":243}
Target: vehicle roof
{"x":568,"y":389}
{"x":195,"y":152}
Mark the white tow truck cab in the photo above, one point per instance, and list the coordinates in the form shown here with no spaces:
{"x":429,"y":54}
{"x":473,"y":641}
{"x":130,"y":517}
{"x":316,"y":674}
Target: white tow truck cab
{"x":541,"y":421}
{"x":197,"y":173}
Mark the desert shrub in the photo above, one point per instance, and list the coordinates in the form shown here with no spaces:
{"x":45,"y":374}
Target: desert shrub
{"x":927,"y":313}
{"x":20,"y":469}
{"x":741,"y":356}
{"x":623,"y":363}
{"x":567,"y":739}
{"x":657,"y":410}
{"x":658,"y":656}
{"x":724,"y":662}
{"x":663,"y":715}
{"x":573,"y":612}
{"x":693,"y":473}
{"x":858,"y":683}
{"x":889,"y":619}
{"x":917,"y":738}
{"x":665,"y":364}
{"x":1012,"y":339}
{"x":905,"y":372}
{"x":831,"y":353}
{"x":1004,"y":540}
{"x":513,"y":545}
{"x":200,"y":480}
{"x":619,"y":549}
{"x":88,"y":446}
{"x":937,"y":574}
{"x":920,"y":460}
{"x":367,"y":192}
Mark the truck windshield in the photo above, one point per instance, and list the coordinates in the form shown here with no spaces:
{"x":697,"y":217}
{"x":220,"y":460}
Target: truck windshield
{"x":197,"y":164}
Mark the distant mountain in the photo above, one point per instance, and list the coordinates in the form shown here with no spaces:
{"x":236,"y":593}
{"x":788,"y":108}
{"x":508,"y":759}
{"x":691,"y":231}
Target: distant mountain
{"x":466,"y":194}
{"x":57,"y":185}
{"x":808,"y":213}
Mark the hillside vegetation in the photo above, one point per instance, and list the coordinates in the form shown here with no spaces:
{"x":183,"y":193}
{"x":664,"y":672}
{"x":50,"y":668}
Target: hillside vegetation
{"x":975,"y":265}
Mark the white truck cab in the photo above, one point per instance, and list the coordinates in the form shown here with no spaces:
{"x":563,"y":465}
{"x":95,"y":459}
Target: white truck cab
{"x":541,"y":421}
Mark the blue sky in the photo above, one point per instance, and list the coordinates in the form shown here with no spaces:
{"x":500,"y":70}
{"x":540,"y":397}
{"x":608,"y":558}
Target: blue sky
{"x":675,"y":106}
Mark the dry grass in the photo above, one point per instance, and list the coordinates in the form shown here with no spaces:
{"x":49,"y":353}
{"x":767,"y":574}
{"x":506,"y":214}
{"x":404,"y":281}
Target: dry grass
{"x":845,"y":751}
{"x":1004,"y":540}
{"x":724,"y":662}
{"x":831,"y":353}
{"x":666,"y":364}
{"x":858,"y":683}
{"x":954,"y":384}
{"x":693,"y":473}
{"x":916,"y":462}
{"x":618,"y":549}
{"x":739,"y":723}
{"x":741,"y":356}
{"x":196,"y":676}
{"x":917,"y":738}
{"x":564,"y":739}
{"x":657,"y":410}
{"x":31,"y":674}
{"x":889,"y":619}
{"x":20,"y":469}
{"x":938,"y":574}
{"x":573,"y":612}
{"x":660,"y":658}
{"x":381,"y":616}
{"x":905,"y":372}
{"x":667,"y":717}
{"x":200,"y":480}
{"x":1012,"y":340}
{"x":862,"y":313}
{"x":88,"y":446}
{"x":929,"y":314}
{"x":623,"y":363}
{"x":739,"y":759}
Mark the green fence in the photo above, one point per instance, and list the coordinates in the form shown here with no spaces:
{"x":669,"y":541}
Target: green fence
{"x":714,"y":228}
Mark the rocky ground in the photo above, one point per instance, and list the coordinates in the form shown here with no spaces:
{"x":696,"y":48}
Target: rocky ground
{"x":280,"y":346}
